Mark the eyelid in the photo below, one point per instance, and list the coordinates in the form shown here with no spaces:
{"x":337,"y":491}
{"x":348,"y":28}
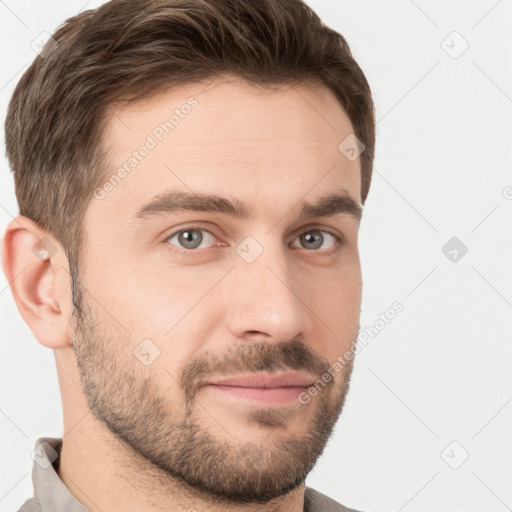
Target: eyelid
{"x":313,"y":227}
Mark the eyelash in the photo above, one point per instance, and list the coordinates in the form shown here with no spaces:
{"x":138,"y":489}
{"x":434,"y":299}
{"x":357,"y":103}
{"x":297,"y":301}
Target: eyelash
{"x":196,"y":252}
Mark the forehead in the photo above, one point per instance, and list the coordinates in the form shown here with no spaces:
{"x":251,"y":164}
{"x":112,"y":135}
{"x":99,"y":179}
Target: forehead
{"x":227,"y":136}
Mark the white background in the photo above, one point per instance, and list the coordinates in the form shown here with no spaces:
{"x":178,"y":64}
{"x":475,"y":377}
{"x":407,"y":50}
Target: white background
{"x":435,"y":374}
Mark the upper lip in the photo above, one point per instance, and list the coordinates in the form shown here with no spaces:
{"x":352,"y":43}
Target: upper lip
{"x":265,"y":380}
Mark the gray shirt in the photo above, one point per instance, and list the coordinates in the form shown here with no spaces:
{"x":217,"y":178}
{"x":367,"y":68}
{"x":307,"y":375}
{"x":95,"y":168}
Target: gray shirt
{"x":52,"y":495}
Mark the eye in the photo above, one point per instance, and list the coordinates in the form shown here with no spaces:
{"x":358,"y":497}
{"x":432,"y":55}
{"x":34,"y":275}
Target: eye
{"x":191,"y":238}
{"x":315,"y":238}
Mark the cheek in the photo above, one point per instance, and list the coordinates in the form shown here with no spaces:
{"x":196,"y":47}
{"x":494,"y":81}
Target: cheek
{"x":145,"y":303}
{"x":154,"y":302}
{"x":177,"y":317}
{"x":336,"y":290}
{"x":338,"y":306}
{"x":335,"y":303}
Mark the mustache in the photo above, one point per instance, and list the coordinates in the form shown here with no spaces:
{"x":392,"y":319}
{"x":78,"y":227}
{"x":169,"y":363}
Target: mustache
{"x":251,"y":358}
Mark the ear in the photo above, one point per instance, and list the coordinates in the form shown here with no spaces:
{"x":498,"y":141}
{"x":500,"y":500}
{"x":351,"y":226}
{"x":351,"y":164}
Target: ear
{"x":37,"y":270}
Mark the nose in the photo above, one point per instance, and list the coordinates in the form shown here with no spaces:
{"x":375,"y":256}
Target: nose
{"x":266,"y":303}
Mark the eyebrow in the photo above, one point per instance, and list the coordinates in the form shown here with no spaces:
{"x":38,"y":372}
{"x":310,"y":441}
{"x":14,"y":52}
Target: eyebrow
{"x":173,"y":201}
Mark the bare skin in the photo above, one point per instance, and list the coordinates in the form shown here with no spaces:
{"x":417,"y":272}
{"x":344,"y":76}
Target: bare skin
{"x":151,"y":436}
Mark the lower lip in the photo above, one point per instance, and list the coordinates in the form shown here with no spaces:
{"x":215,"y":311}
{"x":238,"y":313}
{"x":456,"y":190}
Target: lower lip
{"x":269,"y":396}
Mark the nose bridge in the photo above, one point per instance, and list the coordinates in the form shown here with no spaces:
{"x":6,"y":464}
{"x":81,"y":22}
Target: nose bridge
{"x":267,"y":299}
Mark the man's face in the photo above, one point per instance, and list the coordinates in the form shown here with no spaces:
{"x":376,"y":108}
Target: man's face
{"x":172,"y":299}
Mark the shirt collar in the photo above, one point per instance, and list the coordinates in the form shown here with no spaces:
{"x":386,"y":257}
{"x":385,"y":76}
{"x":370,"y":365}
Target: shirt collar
{"x":49,"y":489}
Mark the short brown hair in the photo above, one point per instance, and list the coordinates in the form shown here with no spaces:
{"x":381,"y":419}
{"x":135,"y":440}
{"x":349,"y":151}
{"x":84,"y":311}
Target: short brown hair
{"x":135,"y":48}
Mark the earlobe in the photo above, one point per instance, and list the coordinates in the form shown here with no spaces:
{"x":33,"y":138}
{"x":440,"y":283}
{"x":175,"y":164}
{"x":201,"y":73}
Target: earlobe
{"x":34,"y":263}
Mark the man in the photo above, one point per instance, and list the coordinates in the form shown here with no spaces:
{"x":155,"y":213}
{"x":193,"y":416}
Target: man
{"x":190,"y":177}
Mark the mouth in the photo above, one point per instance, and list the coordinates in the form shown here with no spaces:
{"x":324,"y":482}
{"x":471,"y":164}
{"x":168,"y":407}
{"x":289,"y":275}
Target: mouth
{"x":262,"y":388}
